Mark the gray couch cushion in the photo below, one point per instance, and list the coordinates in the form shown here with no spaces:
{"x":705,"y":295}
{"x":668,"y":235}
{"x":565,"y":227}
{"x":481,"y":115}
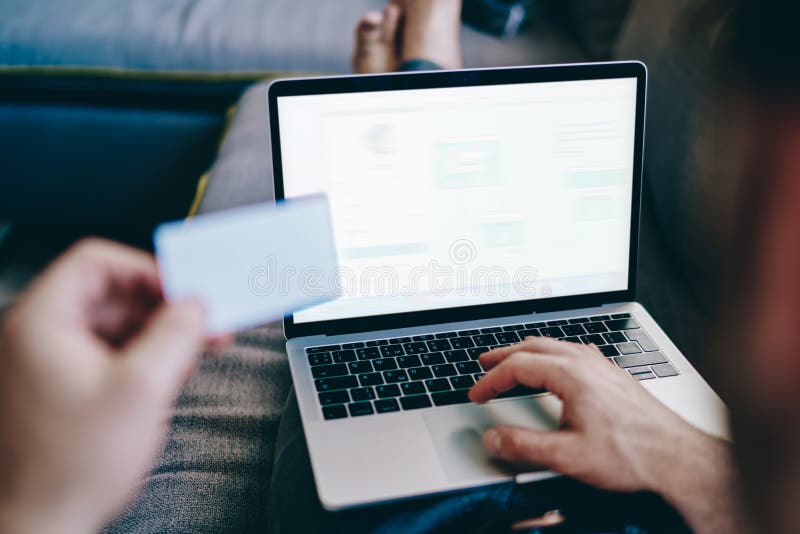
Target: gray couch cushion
{"x":214,"y":471}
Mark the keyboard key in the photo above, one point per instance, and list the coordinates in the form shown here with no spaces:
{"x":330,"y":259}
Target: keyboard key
{"x":384,"y":364}
{"x":326,"y":348}
{"x":478,"y":376}
{"x":328,"y":371}
{"x":597,"y":318}
{"x":395,"y":376}
{"x":638,"y":360}
{"x":416,"y":348}
{"x":468,"y":368}
{"x":340,"y":382}
{"x":596,"y":328}
{"x":642,"y":375}
{"x":412,"y":388}
{"x":641,"y":337}
{"x":386,"y":406}
{"x":614,"y":337}
{"x":414,"y":402}
{"x":491,"y":330}
{"x":419,"y":373}
{"x":560,"y":322}
{"x":432,"y":359}
{"x":579,"y":320}
{"x":423,"y":337}
{"x":535,"y":325}
{"x":608,"y":350}
{"x":551,"y":331}
{"x":369,"y":353}
{"x":356,"y":345}
{"x":334,"y":412}
{"x":370,"y":379}
{"x":628,"y":348}
{"x":469,"y":332}
{"x":513,"y":327}
{"x":450,"y":397}
{"x":446,"y":335}
{"x":387,"y":391}
{"x":622,"y":324}
{"x":439,"y":345}
{"x":447,"y":369}
{"x":334,"y":397}
{"x":408,"y":361}
{"x":437,"y":384}
{"x":621,"y":316}
{"x":342,"y":356}
{"x":593,"y":338}
{"x":572,"y":339}
{"x":484,"y":340}
{"x":462,"y":342}
{"x":360,"y":408}
{"x":399,"y":340}
{"x":475,"y":352}
{"x":362,"y":394}
{"x":322,"y":358}
{"x":377,"y":342}
{"x":461,"y":382}
{"x":528,"y":332}
{"x":573,"y":330}
{"x":507,"y":337}
{"x":453,"y":356}
{"x":392,"y":350}
{"x":359,"y":367}
{"x":664,"y":370}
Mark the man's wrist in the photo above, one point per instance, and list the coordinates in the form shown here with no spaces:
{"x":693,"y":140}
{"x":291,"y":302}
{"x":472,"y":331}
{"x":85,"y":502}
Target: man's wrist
{"x":696,"y":477}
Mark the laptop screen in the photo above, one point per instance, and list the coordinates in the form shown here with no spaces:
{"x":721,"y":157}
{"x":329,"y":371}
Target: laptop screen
{"x":464,"y":196}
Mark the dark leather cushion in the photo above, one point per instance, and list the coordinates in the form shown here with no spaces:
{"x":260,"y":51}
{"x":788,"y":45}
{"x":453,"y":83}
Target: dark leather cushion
{"x":682,"y":183}
{"x":595,"y":24}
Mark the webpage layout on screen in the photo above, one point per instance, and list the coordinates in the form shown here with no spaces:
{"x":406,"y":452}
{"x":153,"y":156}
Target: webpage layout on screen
{"x":472,"y":195}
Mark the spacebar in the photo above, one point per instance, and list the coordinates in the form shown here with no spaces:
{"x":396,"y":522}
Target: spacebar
{"x":444,"y":398}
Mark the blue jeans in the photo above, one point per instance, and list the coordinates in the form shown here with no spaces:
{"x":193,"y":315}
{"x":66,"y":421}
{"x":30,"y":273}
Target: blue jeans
{"x":295,"y":507}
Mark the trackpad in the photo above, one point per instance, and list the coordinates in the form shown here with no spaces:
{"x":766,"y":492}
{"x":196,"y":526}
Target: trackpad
{"x":456,"y":432}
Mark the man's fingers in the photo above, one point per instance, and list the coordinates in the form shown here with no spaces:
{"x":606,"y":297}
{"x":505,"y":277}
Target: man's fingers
{"x":113,"y":263}
{"x":165,"y":350}
{"x":544,"y":345}
{"x":526,"y":369}
{"x":549,"y":449}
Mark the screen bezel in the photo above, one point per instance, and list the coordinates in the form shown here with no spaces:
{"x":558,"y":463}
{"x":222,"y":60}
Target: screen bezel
{"x":464,"y":78}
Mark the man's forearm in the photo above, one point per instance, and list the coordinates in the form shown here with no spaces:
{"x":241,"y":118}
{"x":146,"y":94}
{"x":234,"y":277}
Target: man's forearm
{"x":701,"y":483}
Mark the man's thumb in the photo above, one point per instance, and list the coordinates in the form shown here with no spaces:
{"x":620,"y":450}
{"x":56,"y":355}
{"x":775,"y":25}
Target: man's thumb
{"x":166,"y":348}
{"x":524,"y":445}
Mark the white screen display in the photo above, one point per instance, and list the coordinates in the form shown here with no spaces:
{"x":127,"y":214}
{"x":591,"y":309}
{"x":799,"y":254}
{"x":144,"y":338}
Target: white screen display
{"x":453,"y":197}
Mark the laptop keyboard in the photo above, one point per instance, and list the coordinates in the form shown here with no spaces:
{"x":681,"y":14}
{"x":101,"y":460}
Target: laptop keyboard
{"x":410,"y":373}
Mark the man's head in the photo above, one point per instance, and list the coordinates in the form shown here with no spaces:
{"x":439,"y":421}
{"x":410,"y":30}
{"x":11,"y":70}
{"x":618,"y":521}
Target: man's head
{"x":760,"y":357}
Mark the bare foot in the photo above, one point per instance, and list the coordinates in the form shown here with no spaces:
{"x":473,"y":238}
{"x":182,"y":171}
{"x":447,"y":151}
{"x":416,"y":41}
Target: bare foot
{"x":431,"y":30}
{"x":376,"y":47}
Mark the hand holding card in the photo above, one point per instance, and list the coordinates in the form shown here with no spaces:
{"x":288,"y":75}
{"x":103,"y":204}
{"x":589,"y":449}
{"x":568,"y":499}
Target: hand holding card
{"x":251,"y":265}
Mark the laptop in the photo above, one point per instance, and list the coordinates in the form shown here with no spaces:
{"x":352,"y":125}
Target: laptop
{"x":470,"y":209}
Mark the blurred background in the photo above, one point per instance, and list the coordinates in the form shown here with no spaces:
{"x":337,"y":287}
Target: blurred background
{"x":116,"y":115}
{"x":112,"y":110}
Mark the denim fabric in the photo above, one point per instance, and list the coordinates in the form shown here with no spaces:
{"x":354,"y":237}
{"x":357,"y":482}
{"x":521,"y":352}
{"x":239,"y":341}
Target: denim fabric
{"x":418,"y":64}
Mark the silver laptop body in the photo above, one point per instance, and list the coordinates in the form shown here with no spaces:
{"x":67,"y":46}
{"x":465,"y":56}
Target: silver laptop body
{"x":470,"y":209}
